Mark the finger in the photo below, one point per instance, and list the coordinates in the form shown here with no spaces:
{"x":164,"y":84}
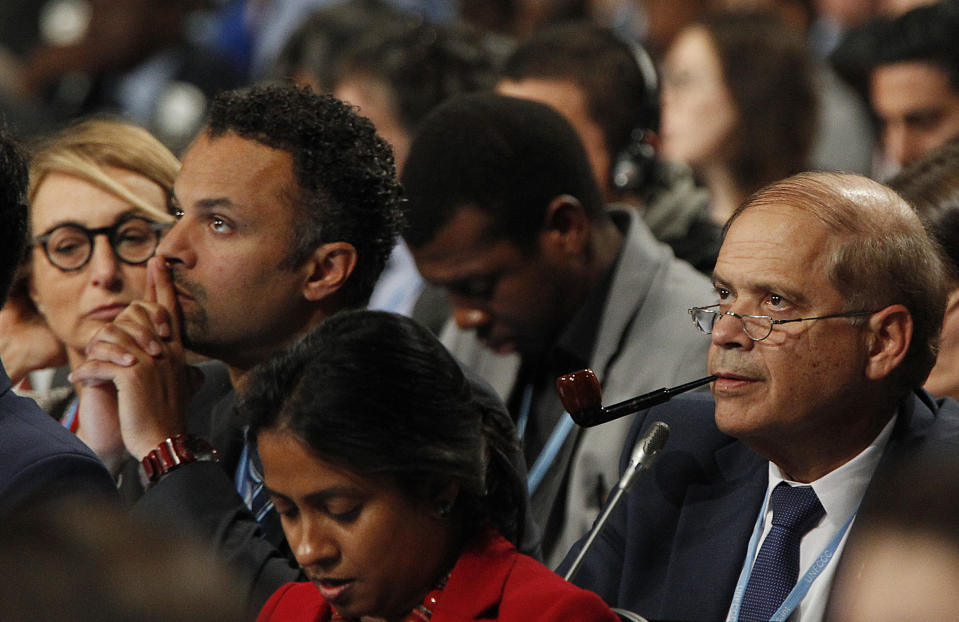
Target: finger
{"x":161,"y":291}
{"x":110,"y":353}
{"x":93,"y":373}
{"x":147,"y":323}
{"x":128,"y":335}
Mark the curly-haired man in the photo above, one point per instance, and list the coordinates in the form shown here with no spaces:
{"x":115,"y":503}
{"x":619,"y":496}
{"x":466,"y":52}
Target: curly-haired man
{"x":287,"y":207}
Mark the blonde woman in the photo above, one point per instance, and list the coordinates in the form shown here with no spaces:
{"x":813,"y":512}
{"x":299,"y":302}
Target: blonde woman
{"x":98,"y":199}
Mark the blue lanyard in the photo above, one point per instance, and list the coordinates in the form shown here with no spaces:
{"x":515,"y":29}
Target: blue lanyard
{"x":802,"y":586}
{"x":555,"y":442}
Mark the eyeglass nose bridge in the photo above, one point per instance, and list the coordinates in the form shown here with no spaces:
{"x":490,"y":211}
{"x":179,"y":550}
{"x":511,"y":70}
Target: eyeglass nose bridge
{"x":756,"y":327}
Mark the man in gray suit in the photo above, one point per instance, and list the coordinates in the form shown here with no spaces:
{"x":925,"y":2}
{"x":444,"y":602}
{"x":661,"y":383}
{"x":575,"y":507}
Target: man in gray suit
{"x":544,"y":280}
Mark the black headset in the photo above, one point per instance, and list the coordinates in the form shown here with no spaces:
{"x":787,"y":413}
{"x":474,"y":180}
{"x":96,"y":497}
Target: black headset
{"x":634,"y":164}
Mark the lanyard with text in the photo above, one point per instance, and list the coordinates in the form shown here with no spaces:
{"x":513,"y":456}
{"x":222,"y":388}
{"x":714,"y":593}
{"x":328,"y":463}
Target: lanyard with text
{"x":802,"y":586}
{"x":555,"y":442}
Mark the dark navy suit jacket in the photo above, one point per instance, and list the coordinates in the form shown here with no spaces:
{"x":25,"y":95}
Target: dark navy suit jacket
{"x":673,"y":549}
{"x":40,"y":460}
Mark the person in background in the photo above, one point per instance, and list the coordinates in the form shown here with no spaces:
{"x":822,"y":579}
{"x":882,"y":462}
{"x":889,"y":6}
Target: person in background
{"x":931,"y":185}
{"x":396,"y":75}
{"x":394,"y":489}
{"x":39,"y":460}
{"x":506,"y":216}
{"x":98,"y":197}
{"x":309,"y":56}
{"x":905,"y":564}
{"x":739,"y":104}
{"x":907,"y":68}
{"x":82,"y":562}
{"x":608,"y":89}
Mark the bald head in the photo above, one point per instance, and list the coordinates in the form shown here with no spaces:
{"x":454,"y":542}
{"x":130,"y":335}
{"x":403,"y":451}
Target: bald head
{"x":879,"y":255}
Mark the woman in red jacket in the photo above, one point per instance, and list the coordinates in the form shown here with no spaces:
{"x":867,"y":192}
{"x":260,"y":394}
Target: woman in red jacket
{"x":393,"y":484}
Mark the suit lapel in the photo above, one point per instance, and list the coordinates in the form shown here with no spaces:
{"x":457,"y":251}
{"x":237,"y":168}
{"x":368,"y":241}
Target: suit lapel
{"x":712,"y":534}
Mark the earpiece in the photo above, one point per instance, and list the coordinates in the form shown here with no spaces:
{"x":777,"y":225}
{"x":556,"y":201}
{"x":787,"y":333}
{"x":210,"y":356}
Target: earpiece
{"x":634,"y":164}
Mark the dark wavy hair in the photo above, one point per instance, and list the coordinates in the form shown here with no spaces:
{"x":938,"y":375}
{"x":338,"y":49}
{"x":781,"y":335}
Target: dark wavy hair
{"x":347,"y":188}
{"x":422,"y":65}
{"x":13,"y":209}
{"x":605,"y":67}
{"x":376,"y":393}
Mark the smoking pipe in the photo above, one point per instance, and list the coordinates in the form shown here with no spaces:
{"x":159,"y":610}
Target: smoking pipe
{"x":582,"y":397}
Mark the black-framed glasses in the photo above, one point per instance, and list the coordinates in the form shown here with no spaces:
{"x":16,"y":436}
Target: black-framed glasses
{"x":134,"y":240}
{"x":756,"y":327}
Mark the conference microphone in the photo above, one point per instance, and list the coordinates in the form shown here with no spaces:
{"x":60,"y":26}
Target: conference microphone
{"x":582,"y":397}
{"x":643,"y":456}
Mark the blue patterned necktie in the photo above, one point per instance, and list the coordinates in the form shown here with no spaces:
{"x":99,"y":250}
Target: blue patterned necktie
{"x":249,"y":482}
{"x":796,"y":510}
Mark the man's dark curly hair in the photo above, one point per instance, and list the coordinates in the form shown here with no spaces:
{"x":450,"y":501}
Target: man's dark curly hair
{"x":347,"y":191}
{"x":13,"y":210}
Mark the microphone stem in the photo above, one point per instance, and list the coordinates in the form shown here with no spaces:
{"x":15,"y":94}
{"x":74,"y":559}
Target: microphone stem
{"x":610,"y":506}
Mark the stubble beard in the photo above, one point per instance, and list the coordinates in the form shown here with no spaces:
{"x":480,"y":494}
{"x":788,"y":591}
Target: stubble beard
{"x":194,"y":322}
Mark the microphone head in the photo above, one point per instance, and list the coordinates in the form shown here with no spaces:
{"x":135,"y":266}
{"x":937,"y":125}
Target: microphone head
{"x":656,"y":437}
{"x":581,"y":394}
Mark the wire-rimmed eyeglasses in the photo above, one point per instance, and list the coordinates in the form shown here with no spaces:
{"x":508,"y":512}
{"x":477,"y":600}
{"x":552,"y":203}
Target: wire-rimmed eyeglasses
{"x":756,"y":327}
{"x":69,"y":246}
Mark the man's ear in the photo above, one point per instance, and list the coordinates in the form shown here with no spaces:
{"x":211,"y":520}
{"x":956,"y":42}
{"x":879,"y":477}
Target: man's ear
{"x":891,"y":334}
{"x":328,"y":269}
{"x":566,"y":226}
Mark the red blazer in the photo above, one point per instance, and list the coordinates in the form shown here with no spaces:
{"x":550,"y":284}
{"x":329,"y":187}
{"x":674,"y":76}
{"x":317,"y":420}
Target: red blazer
{"x":489,"y":582}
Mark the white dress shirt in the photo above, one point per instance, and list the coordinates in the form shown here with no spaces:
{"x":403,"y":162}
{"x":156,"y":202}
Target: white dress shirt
{"x":839,"y":492}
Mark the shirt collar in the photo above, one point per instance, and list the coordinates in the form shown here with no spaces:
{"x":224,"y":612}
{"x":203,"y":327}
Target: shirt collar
{"x":841,"y":490}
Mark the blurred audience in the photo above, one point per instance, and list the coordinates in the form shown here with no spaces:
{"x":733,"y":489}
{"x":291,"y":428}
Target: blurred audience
{"x":133,"y":57}
{"x":739,"y":104}
{"x":395,"y":76}
{"x":909,"y":66}
{"x":903,"y":564}
{"x":608,"y":89}
{"x":931,"y":185}
{"x":310,"y":54}
{"x":76,"y":562}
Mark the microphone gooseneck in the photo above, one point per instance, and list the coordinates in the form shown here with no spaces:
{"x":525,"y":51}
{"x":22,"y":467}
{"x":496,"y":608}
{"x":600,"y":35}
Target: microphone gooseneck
{"x":581,"y":395}
{"x":644,"y":455}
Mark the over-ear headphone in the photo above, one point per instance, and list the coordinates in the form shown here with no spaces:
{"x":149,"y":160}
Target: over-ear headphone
{"x":635,"y":163}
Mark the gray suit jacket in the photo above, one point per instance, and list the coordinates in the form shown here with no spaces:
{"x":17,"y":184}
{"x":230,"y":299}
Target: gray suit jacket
{"x":645,"y":341}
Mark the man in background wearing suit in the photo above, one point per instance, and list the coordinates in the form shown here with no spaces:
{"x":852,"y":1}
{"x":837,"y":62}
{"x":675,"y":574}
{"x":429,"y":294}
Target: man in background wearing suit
{"x":830,"y":301}
{"x":39,"y":459}
{"x":505,"y":214}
